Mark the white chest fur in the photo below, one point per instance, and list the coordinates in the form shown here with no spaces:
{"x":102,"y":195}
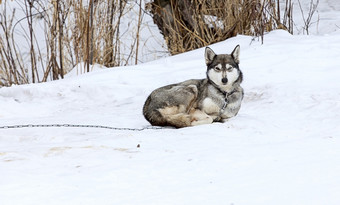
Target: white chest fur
{"x":220,"y":108}
{"x":210,"y":106}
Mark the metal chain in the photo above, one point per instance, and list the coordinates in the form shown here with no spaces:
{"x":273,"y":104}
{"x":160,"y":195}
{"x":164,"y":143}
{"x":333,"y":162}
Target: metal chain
{"x":82,"y":126}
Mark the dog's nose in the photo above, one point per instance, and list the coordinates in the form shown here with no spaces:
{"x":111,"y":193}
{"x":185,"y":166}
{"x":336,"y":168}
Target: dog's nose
{"x":224,"y":80}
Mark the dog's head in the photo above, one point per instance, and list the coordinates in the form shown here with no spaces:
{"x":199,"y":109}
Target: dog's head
{"x":223,"y":70}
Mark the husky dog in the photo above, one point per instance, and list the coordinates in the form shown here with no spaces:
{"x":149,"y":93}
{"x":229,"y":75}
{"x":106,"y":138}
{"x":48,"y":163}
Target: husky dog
{"x":195,"y":102}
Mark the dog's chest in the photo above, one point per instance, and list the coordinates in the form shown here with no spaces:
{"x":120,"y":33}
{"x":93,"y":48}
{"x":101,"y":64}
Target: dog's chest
{"x":212,"y":105}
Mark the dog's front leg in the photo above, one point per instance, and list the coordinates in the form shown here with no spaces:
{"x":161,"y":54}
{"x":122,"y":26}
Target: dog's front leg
{"x":200,"y":118}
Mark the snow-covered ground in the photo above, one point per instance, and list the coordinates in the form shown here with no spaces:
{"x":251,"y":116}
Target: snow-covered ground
{"x":282,"y":148}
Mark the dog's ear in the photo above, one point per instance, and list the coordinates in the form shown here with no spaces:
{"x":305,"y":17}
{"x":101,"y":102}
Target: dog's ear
{"x":209,"y":55}
{"x":236,"y":54}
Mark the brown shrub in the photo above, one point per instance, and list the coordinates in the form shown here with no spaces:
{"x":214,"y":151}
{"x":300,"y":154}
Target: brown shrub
{"x":191,"y":24}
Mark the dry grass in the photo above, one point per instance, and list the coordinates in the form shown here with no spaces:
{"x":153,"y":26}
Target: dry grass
{"x":187,"y":25}
{"x":91,"y":31}
{"x":87,"y":31}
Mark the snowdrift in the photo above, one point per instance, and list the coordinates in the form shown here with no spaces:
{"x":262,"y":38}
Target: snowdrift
{"x":282,"y":147}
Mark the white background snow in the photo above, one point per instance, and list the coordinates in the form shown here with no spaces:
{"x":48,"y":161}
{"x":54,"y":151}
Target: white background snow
{"x":282,"y":148}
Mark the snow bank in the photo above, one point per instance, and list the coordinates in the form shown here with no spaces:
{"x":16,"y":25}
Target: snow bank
{"x":282,"y":148}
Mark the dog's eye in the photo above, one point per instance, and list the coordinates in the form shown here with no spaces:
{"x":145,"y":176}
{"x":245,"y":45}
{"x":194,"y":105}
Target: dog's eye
{"x":217,"y":68}
{"x":230,"y":69}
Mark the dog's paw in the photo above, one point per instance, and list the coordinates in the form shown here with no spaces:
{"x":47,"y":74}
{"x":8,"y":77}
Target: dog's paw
{"x":202,"y":121}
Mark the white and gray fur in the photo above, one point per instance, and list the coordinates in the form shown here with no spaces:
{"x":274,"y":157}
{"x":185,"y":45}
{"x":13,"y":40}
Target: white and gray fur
{"x":194,"y":102}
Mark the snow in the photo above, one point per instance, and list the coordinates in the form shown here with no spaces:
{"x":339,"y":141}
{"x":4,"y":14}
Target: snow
{"x":282,"y":148}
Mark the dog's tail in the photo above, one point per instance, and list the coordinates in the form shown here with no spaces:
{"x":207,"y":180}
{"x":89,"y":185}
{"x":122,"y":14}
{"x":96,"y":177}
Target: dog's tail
{"x":153,"y":115}
{"x":156,"y":118}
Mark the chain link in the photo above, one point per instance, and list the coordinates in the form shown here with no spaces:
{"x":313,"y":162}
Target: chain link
{"x":77,"y":126}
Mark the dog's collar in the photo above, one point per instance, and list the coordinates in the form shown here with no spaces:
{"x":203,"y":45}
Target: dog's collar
{"x":226,"y":94}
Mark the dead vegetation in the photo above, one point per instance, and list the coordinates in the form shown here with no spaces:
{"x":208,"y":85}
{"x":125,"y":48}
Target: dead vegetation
{"x":191,"y":24}
{"x":91,"y":31}
{"x":88,"y":31}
